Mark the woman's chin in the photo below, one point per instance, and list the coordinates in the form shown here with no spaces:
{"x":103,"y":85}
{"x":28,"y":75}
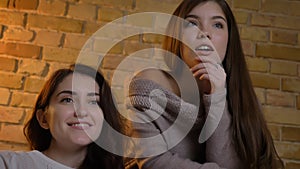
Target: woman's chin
{"x":82,"y":141}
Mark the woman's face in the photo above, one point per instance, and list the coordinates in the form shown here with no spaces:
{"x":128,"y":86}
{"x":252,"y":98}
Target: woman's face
{"x":73,"y":115}
{"x":205,"y":32}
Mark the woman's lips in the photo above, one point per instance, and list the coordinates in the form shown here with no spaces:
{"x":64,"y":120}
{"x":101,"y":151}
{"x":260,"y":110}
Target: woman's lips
{"x":79,"y":125}
{"x":204,"y":50}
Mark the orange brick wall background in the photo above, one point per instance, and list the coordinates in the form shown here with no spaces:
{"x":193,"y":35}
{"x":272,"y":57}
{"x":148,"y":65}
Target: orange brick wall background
{"x":39,"y":36}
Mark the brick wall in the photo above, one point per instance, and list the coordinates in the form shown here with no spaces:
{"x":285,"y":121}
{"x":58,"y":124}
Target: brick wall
{"x":40,"y":36}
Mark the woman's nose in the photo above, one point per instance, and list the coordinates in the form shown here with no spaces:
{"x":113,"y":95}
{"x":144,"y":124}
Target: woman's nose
{"x":80,"y":111}
{"x":203,"y":34}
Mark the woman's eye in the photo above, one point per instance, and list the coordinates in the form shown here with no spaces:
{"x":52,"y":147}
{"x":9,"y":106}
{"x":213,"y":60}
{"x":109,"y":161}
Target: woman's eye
{"x":67,"y":100}
{"x":191,"y":23}
{"x":94,"y":102}
{"x":218,"y":25}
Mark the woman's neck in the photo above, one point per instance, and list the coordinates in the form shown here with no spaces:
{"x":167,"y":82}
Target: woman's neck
{"x":71,"y":157}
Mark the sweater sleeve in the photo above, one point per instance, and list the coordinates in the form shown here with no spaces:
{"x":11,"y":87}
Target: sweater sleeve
{"x":219,"y":146}
{"x":151,"y":147}
{"x":152,"y":122}
{"x":166,"y":159}
{"x":169,"y":160}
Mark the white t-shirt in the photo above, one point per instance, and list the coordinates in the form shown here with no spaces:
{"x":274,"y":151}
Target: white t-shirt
{"x":28,"y":160}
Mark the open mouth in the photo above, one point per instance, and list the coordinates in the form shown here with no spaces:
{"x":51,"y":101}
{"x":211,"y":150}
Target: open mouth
{"x":79,"y":125}
{"x":204,"y":48}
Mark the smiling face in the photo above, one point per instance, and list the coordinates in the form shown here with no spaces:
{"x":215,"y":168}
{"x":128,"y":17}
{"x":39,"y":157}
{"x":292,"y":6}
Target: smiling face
{"x":205,"y":32}
{"x":73,"y":115}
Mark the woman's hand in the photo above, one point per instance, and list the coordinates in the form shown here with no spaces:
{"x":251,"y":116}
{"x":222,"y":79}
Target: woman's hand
{"x":210,"y":74}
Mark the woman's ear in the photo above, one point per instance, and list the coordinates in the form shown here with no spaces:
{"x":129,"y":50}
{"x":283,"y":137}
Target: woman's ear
{"x":42,"y":119}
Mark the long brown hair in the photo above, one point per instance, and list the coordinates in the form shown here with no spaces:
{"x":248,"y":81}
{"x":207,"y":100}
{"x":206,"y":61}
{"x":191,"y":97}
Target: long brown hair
{"x":40,"y":138}
{"x":252,"y":139}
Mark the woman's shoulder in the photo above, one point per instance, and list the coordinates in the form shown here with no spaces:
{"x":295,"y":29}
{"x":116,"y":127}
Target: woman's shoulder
{"x":7,"y":155}
{"x":13,"y":154}
{"x":27,"y":159}
{"x":160,"y":77}
{"x":14,"y":159}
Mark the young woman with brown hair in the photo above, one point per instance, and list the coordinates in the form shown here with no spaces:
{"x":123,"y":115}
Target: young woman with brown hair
{"x":241,"y":139}
{"x":67,"y":119}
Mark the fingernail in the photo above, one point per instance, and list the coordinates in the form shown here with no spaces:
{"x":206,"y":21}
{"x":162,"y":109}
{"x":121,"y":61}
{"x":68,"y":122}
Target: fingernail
{"x":201,"y":77}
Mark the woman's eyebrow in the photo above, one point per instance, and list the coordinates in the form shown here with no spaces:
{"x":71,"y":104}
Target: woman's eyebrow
{"x":93,"y":94}
{"x":192,"y":16}
{"x":219,"y":17}
{"x":66,"y":92}
{"x":74,"y":93}
{"x":214,"y":17}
